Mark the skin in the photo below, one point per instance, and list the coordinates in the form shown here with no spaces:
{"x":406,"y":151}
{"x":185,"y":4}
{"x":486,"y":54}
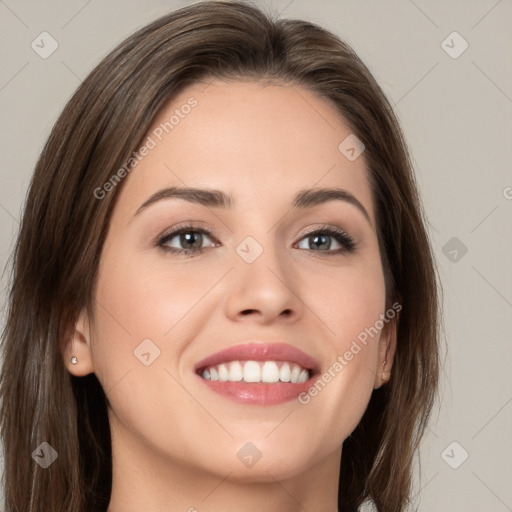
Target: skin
{"x":175,"y":442}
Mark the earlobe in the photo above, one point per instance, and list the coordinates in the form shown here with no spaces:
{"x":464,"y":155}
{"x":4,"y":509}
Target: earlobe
{"x":77,"y":355}
{"x":386,"y":355}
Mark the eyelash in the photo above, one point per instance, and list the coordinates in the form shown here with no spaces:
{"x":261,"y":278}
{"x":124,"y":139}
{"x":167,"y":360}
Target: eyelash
{"x":341,"y":236}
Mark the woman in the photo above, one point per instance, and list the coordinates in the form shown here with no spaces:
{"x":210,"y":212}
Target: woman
{"x":223,"y":294}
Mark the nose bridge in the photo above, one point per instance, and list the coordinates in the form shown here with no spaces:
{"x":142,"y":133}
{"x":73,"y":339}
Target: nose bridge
{"x":261,"y":261}
{"x":262,"y":281}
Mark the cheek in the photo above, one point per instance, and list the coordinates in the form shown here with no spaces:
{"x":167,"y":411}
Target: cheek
{"x":352,"y":305}
{"x":348,"y":301}
{"x":147,"y":299}
{"x":359,"y":310}
{"x":136,"y":302}
{"x":358,"y":328}
{"x":145,"y":309}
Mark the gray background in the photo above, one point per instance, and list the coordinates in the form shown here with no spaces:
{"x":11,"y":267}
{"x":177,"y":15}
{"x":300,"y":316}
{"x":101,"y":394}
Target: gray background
{"x":456,"y":114}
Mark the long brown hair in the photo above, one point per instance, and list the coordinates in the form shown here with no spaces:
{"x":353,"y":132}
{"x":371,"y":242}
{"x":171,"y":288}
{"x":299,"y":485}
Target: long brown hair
{"x":64,"y":225}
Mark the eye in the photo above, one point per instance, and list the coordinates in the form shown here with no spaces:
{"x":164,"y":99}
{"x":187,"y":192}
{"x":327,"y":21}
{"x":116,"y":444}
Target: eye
{"x":185,"y":240}
{"x":190,"y":240}
{"x":325,"y":240}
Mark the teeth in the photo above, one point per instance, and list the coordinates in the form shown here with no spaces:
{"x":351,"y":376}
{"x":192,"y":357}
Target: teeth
{"x":270,"y":372}
{"x":253,"y":371}
{"x":223,"y":373}
{"x":236,"y":372}
{"x":303,"y":377}
{"x":285,"y":373}
{"x":294,"y":377}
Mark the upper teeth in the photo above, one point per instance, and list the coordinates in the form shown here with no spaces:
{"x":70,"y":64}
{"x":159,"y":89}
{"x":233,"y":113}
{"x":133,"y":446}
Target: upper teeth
{"x":256,"y":371}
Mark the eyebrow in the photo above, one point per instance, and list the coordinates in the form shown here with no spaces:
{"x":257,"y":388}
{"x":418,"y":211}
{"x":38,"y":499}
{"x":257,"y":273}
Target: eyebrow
{"x":217,"y":199}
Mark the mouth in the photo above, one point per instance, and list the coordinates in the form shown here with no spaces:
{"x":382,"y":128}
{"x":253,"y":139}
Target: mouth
{"x":258,"y":374}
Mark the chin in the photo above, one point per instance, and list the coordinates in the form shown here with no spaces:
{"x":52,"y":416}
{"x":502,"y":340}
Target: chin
{"x":262,"y":460}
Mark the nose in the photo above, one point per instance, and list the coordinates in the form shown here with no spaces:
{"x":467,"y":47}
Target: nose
{"x":264,"y":291}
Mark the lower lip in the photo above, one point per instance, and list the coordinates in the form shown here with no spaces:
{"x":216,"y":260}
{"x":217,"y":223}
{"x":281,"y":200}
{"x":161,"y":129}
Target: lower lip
{"x":258,"y":393}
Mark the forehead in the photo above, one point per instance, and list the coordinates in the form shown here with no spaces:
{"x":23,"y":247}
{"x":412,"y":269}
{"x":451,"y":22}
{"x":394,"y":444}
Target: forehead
{"x":258,"y":143}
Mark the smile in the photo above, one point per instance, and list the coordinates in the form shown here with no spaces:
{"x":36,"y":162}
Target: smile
{"x":258,"y":374}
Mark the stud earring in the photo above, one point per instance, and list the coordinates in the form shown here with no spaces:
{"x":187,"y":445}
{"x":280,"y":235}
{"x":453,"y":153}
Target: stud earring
{"x":74,"y":360}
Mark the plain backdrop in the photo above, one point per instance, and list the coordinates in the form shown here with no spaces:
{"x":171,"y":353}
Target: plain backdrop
{"x":454,"y":103}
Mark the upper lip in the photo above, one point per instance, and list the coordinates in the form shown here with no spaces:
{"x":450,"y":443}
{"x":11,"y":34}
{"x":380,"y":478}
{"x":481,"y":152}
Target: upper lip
{"x":254,"y":351}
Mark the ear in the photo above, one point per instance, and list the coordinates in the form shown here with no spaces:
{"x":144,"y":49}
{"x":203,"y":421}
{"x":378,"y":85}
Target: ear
{"x":79,"y":347}
{"x":386,"y":352}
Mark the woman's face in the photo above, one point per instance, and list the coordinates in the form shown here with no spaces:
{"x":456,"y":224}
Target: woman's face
{"x":275,"y":281}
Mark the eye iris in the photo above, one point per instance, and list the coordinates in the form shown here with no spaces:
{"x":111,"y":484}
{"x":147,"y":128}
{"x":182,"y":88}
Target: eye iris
{"x":320,"y":241}
{"x":193,"y":238}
